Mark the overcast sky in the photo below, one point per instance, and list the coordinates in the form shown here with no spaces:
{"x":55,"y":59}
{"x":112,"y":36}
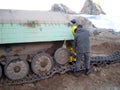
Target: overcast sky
{"x":111,"y":7}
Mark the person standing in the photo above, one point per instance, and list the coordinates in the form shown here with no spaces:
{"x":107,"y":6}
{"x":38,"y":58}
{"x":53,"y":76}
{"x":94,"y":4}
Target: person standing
{"x":82,"y":48}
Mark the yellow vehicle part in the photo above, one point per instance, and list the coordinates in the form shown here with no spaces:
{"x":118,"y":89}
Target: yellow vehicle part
{"x":72,"y":51}
{"x":72,"y":59}
{"x":74,"y":27}
{"x":73,"y":54}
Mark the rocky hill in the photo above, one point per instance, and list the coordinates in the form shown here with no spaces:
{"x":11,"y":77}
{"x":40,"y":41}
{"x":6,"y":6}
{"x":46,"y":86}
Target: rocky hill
{"x":61,"y":8}
{"x":92,"y":7}
{"x":82,"y":20}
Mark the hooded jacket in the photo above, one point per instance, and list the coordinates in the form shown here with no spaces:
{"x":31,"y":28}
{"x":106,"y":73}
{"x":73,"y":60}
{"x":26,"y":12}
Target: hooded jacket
{"x":82,"y":40}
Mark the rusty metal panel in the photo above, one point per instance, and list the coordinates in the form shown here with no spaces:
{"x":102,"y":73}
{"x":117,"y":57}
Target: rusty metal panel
{"x":25,"y":16}
{"x":20,"y":26}
{"x":18,"y":33}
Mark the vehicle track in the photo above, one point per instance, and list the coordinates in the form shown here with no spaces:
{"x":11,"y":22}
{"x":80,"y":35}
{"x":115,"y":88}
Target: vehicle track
{"x":61,"y":69}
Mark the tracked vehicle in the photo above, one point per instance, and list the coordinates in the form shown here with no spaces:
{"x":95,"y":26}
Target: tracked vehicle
{"x":32,"y":46}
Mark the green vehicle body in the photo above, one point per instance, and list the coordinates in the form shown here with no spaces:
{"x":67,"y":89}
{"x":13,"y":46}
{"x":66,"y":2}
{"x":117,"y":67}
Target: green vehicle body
{"x":33,"y":29}
{"x":34,"y":37}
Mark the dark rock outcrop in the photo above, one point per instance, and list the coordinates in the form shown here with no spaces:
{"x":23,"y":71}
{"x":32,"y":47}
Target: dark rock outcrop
{"x":92,"y":7}
{"x":61,"y":8}
{"x":84,"y":22}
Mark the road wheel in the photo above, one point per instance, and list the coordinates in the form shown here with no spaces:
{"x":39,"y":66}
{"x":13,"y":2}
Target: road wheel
{"x":42,"y":63}
{"x":61,"y":56}
{"x":16,"y":69}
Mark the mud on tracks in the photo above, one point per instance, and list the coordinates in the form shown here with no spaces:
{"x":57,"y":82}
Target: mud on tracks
{"x":104,"y":78}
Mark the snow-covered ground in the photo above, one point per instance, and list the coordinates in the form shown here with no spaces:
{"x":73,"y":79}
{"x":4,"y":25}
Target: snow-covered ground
{"x":104,"y":21}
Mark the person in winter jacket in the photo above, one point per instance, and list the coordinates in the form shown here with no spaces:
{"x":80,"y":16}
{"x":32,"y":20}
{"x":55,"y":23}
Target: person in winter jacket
{"x":82,"y":48}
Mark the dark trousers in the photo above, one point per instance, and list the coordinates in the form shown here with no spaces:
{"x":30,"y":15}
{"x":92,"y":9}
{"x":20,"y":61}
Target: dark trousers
{"x":86,"y":58}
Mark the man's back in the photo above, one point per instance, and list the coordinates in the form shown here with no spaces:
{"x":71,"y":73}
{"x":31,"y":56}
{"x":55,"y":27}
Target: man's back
{"x":82,"y":40}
